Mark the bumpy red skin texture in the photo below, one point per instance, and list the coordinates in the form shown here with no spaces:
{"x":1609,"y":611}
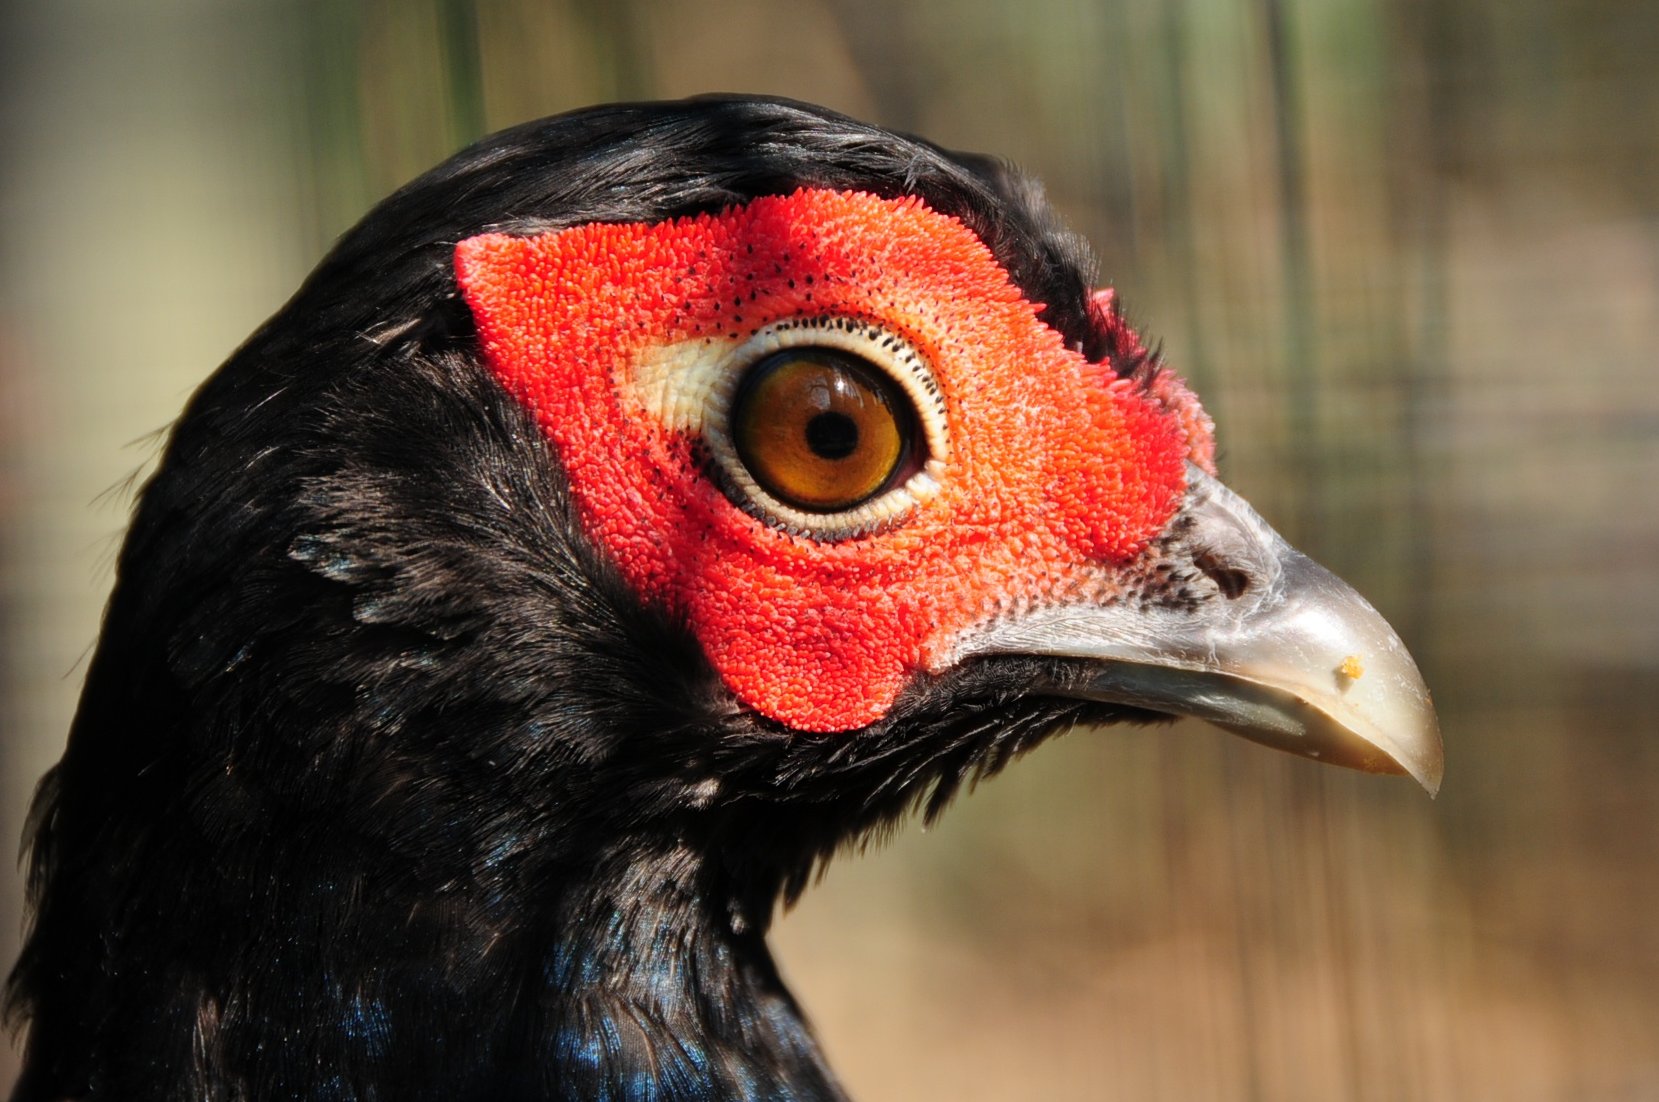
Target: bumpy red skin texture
{"x":1058,"y":473}
{"x":1166,"y":387}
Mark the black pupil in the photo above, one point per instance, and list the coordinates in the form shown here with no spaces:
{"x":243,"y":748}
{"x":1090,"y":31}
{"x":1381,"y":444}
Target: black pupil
{"x":832,"y":435}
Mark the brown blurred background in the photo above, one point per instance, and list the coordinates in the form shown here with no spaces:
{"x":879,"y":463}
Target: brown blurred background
{"x":1409,"y":254}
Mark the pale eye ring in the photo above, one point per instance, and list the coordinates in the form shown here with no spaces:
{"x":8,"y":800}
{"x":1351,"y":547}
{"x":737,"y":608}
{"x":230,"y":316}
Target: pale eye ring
{"x":829,"y":427}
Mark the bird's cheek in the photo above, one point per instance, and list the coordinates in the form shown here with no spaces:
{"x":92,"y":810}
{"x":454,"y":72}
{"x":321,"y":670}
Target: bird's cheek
{"x":817,"y":658}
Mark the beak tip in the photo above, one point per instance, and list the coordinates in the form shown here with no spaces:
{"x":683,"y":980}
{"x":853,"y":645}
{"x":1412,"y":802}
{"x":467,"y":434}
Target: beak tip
{"x":1392,"y":722}
{"x":1430,"y":768}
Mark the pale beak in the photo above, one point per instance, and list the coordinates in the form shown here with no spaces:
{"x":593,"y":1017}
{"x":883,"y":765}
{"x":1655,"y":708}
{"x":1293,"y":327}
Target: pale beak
{"x":1277,"y":648}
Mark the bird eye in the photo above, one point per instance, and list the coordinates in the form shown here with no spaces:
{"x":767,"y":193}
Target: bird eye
{"x":827,"y":427}
{"x":821,"y":430}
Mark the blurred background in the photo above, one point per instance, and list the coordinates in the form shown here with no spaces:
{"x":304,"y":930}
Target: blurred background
{"x":1407,"y":251}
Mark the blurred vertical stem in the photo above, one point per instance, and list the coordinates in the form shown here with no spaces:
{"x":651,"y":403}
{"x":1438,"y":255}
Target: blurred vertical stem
{"x":1429,"y":35}
{"x":463,"y":69}
{"x":339,"y":181}
{"x":1177,"y":179}
{"x":1296,"y":274}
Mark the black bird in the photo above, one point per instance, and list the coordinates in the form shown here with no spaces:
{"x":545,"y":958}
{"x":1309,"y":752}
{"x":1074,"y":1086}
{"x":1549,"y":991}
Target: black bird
{"x":624,"y":516}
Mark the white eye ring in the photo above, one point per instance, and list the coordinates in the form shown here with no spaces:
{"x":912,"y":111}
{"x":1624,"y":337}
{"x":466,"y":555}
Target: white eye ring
{"x":694,"y":386}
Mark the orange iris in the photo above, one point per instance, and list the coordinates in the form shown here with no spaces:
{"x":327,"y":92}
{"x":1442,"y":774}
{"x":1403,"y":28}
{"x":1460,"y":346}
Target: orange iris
{"x":820,"y":430}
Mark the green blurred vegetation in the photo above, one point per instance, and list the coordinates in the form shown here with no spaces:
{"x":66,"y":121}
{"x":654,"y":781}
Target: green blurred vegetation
{"x":1408,"y":252}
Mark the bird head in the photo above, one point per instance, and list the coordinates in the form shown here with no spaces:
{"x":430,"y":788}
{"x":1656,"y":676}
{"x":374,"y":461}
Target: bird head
{"x":622,"y":517}
{"x":829,"y":431}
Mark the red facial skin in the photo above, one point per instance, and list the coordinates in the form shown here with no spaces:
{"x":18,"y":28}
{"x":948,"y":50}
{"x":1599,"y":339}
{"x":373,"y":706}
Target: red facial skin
{"x":1056,"y":473}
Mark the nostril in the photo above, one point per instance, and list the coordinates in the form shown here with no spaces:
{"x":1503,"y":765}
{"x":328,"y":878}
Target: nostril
{"x":1232,"y":581}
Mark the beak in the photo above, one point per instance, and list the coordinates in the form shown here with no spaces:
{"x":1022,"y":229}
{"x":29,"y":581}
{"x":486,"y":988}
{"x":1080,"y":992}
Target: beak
{"x":1242,"y":630}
